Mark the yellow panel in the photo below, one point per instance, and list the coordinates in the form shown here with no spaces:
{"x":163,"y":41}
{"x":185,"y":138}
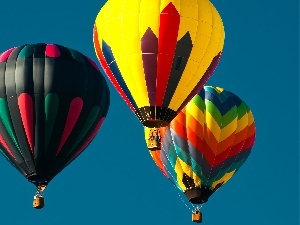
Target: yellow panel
{"x":180,"y":168}
{"x":124,"y":23}
{"x":224,"y":179}
{"x":219,"y":28}
{"x":250,"y":118}
{"x":146,"y":133}
{"x":164,"y":3}
{"x":179,"y":173}
{"x":208,"y":43}
{"x":228,"y":130}
{"x":213,"y":126}
{"x":149,"y":9}
{"x":188,"y":19}
{"x":242,"y":123}
{"x":219,"y":90}
{"x":130,"y":19}
{"x":195,"y":112}
{"x":199,"y":46}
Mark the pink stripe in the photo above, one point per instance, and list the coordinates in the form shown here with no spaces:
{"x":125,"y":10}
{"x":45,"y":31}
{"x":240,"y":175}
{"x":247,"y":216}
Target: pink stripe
{"x":52,"y":51}
{"x":26,"y":109}
{"x":89,"y":139}
{"x":5,"y":55}
{"x":2,"y":141}
{"x":73,"y":114}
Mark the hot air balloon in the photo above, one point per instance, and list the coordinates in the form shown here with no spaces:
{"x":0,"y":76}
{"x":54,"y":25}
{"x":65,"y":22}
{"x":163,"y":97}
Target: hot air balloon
{"x":205,"y":145}
{"x":53,"y":100}
{"x":158,"y":54}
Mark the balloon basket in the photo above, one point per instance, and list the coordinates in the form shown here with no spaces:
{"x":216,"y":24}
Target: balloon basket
{"x":197,"y":217}
{"x":38,"y":202}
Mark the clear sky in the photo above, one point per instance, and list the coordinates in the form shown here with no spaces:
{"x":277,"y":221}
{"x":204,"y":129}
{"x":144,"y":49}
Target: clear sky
{"x":115,"y":180}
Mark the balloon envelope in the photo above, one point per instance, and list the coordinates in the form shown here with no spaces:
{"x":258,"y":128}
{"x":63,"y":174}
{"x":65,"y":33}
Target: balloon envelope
{"x":206,"y":143}
{"x":53,"y":100}
{"x":158,"y":54}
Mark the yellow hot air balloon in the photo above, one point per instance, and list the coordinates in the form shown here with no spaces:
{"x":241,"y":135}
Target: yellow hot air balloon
{"x":158,"y":54}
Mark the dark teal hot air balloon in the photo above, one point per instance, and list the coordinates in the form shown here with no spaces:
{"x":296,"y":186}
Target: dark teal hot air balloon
{"x":53,"y":100}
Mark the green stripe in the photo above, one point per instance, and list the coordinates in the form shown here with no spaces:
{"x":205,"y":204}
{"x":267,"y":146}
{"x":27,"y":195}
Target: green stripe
{"x":6,"y":120}
{"x":198,"y":101}
{"x":242,"y":110}
{"x":214,"y":111}
{"x":4,"y":154}
{"x":229,"y":117}
{"x":86,"y":127}
{"x":221,"y":173}
{"x":27,"y":51}
{"x":51,"y":106}
{"x":76,"y":55}
{"x":172,"y":156}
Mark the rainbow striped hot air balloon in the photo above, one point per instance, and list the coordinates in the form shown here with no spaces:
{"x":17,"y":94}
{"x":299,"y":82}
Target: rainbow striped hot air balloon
{"x":158,"y":54}
{"x":205,"y":145}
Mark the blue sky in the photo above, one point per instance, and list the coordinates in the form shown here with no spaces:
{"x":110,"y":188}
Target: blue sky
{"x":115,"y":180}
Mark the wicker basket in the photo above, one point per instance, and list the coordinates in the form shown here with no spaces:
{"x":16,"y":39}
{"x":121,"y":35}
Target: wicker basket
{"x":38,"y":202}
{"x":197,"y":217}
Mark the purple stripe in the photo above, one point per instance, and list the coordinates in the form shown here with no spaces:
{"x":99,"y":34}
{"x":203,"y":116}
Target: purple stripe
{"x":149,"y":44}
{"x":203,"y":80}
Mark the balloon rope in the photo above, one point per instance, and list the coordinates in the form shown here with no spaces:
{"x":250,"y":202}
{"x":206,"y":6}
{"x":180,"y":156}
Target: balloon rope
{"x":185,"y":202}
{"x":170,"y":174}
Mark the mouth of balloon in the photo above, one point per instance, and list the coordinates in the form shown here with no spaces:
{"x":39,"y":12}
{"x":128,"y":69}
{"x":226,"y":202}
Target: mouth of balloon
{"x":155,"y":123}
{"x":37,"y":179}
{"x":198,"y":195}
{"x":197,"y":200}
{"x":155,"y":116}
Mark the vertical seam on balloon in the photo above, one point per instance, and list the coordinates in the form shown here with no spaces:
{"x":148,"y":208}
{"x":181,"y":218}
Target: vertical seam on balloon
{"x":222,"y":37}
{"x":73,"y":115}
{"x":207,"y":74}
{"x":189,"y":160}
{"x":178,"y":158}
{"x":184,"y":89}
{"x":26,"y":113}
{"x":168,"y":160}
{"x":4,"y":144}
{"x":163,"y":155}
{"x":86,"y":128}
{"x":84,"y":132}
{"x":123,"y":91}
{"x":250,"y":147}
{"x":230,"y":149}
{"x":173,"y":180}
{"x":215,"y":153}
{"x":128,"y":65}
{"x":164,"y":76}
{"x":203,"y":132}
{"x":230,"y":146}
{"x":204,"y":135}
{"x":242,"y":146}
{"x":88,"y":140}
{"x":192,"y":162}
{"x":173,"y":167}
{"x":6,"y":54}
{"x":107,"y":70}
{"x":12,"y":125}
{"x":8,"y":124}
